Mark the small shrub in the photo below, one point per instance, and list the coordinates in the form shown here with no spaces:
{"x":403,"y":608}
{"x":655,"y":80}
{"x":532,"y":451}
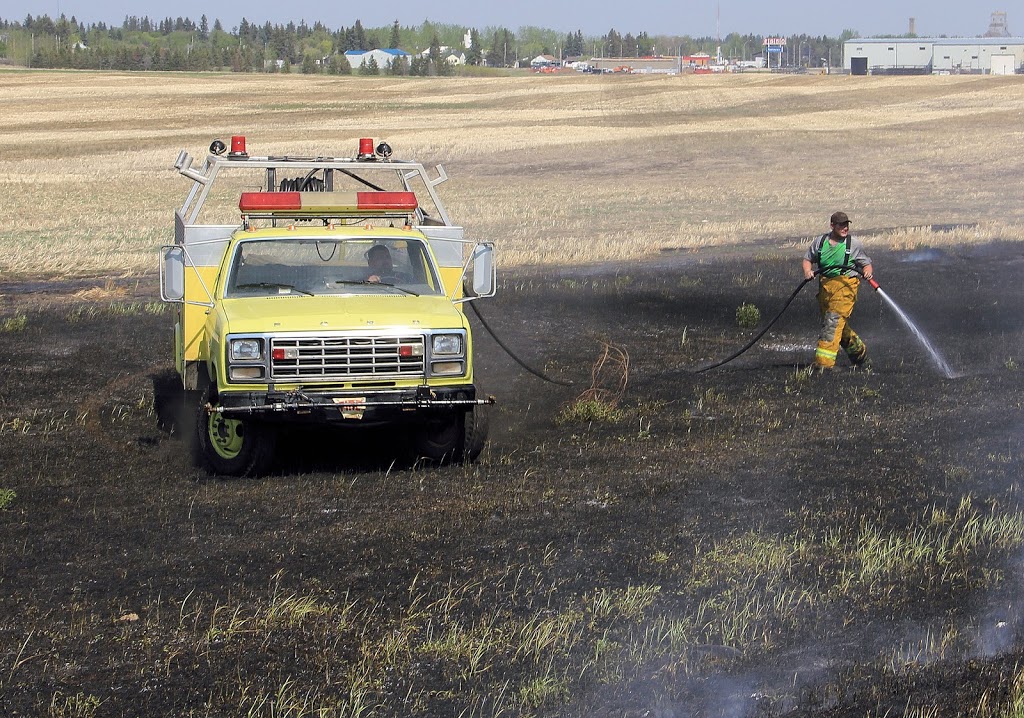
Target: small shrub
{"x":747,"y":316}
{"x":7,"y":497}
{"x":586,"y":410}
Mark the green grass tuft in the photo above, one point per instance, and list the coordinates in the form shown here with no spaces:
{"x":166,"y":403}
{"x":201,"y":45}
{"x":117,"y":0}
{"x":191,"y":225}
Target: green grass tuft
{"x":747,"y":316}
{"x":587,"y":410}
{"x":14,"y":324}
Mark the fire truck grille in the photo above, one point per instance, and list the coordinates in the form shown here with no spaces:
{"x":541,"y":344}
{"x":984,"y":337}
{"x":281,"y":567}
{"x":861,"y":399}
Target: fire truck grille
{"x":332,"y":358}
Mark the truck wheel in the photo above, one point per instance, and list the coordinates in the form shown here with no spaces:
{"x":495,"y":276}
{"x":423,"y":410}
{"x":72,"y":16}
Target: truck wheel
{"x":477,"y":425}
{"x":439,"y":439}
{"x":453,"y":437}
{"x":233,"y":447}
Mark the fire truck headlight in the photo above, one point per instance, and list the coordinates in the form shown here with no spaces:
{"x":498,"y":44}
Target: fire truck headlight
{"x":446,"y":345}
{"x":246,"y":350}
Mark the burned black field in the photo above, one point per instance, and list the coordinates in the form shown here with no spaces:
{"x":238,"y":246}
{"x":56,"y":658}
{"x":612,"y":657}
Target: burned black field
{"x":749,"y":541}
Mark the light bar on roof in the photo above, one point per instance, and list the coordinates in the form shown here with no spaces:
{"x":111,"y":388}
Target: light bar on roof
{"x":327,"y":203}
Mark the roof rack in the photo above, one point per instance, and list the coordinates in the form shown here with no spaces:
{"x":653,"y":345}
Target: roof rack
{"x":313,"y":195}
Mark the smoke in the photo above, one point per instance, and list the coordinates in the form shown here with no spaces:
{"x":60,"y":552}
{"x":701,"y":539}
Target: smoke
{"x":1002,"y":623}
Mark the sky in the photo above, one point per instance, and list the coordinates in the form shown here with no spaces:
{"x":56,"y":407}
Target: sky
{"x":592,"y":17}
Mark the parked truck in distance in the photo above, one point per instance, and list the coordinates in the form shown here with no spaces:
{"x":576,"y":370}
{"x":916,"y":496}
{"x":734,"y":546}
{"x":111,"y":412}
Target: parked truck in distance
{"x":337,"y":298}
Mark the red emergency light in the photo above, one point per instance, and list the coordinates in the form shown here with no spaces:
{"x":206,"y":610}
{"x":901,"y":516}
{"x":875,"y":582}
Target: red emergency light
{"x":366,"y":149}
{"x":238,"y":147}
{"x":328,"y":203}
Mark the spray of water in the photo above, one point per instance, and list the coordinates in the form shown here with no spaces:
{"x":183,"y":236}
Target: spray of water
{"x":937,"y":359}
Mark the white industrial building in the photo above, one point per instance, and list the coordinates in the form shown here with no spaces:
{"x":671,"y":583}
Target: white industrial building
{"x":910,"y":56}
{"x":382,"y":57}
{"x":980,"y":54}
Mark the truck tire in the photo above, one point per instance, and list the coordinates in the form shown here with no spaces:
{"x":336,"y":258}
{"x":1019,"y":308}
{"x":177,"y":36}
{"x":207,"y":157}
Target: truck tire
{"x":439,"y":439}
{"x":477,"y":426}
{"x":453,"y":437}
{"x":232,"y":447}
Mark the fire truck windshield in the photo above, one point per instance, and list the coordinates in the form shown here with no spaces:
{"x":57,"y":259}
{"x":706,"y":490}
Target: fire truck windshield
{"x":316,"y":266}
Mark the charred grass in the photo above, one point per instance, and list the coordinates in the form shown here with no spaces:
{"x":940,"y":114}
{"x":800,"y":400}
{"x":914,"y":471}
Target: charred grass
{"x":755,"y":540}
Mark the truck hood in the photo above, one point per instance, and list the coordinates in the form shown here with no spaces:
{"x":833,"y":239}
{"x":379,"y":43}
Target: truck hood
{"x":331,"y":313}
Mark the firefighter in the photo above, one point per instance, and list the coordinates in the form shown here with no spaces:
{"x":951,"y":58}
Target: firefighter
{"x":839,"y":259}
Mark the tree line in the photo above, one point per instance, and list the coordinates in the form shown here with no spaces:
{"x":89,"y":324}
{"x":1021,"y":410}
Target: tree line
{"x":181,"y":43}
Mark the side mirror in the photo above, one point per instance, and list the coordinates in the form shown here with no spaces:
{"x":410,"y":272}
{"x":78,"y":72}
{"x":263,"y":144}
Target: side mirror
{"x":484,"y":280}
{"x":172,"y":274}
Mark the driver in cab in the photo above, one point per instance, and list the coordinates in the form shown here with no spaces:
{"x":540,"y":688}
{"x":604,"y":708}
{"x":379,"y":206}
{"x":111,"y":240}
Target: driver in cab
{"x":379,"y":264}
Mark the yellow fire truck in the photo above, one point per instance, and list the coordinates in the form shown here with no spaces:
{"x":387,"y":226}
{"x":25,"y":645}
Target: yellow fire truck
{"x":338,"y":299}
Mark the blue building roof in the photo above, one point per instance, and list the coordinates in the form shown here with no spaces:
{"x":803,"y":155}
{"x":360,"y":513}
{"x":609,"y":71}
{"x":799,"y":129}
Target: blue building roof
{"x":388,"y":50}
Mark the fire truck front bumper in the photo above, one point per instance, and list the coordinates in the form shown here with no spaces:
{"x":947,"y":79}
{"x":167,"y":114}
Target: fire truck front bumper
{"x":365,"y":407}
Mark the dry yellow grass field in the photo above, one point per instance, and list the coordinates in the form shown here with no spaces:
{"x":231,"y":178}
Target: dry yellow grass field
{"x":555,"y":169}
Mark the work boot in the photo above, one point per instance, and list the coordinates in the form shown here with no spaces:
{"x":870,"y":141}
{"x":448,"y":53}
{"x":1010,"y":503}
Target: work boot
{"x":857,"y":350}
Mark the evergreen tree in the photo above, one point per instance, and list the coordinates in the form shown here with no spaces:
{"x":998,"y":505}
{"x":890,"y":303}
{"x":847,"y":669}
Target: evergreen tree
{"x":341,"y":65}
{"x":645,"y":45}
{"x":613,"y":44}
{"x":629,"y":46}
{"x":435,"y":56}
{"x":573,"y":44}
{"x":396,"y":38}
{"x":358,"y":37}
{"x":502,"y":49}
{"x":370,"y":67}
{"x":397,"y":65}
{"x":475,"y":53}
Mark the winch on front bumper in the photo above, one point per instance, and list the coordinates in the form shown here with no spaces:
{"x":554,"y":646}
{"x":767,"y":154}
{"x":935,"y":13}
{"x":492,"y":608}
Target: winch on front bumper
{"x":365,"y":407}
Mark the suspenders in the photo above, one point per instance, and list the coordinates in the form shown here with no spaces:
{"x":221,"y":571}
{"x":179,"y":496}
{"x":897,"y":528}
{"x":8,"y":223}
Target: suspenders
{"x":846,"y":259}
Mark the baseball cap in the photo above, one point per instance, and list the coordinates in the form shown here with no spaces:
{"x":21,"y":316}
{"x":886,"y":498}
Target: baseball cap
{"x":839,"y":218}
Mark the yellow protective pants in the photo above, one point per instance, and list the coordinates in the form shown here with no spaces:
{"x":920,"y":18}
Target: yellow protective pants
{"x":836,"y":298}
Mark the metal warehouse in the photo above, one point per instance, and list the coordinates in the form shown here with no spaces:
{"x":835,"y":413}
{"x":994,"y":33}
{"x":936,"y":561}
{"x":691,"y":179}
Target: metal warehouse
{"x":911,"y":56}
{"x":996,"y":55}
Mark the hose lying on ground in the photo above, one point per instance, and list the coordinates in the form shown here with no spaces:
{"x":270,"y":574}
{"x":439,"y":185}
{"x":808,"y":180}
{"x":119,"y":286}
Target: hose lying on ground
{"x":520,"y":362}
{"x":760,"y":334}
